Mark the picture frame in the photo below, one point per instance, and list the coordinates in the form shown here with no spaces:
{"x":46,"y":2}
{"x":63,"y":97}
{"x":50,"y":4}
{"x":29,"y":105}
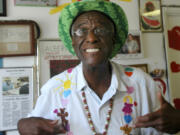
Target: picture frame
{"x":17,"y":95}
{"x":42,"y":3}
{"x":2,"y":7}
{"x":17,"y":38}
{"x":53,"y":58}
{"x":143,"y":67}
{"x":150,"y":16}
{"x":132,"y":47}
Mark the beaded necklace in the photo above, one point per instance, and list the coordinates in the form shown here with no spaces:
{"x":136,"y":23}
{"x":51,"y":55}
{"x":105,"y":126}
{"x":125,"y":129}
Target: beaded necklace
{"x":108,"y":117}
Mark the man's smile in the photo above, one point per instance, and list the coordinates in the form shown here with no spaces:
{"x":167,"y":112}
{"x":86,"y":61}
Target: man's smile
{"x":92,"y":50}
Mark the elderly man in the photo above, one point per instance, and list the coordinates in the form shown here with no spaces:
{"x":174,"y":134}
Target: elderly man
{"x":97,"y":97}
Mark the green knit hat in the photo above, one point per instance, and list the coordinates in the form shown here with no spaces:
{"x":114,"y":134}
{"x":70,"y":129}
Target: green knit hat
{"x":114,"y":11}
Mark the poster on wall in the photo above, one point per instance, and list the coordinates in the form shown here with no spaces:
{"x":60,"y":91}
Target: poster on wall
{"x":53,"y":58}
{"x":16,"y":95}
{"x":132,"y":48}
{"x":150,"y":15}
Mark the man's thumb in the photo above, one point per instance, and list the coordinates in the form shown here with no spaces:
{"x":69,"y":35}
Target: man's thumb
{"x":161,"y":98}
{"x":53,"y":122}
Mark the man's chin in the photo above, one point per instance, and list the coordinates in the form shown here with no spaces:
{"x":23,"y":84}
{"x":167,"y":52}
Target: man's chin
{"x":94,"y":64}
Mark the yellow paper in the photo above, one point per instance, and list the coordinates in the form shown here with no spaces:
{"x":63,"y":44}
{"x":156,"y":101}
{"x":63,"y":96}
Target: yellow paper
{"x":126,"y":0}
{"x":58,"y":9}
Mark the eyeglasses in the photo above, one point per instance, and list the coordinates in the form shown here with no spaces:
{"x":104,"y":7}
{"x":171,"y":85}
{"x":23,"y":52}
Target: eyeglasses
{"x":82,"y":32}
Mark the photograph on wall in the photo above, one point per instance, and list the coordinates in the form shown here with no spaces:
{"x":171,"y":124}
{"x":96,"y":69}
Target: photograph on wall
{"x":51,"y":3}
{"x":53,"y":58}
{"x":15,"y":85}
{"x":132,"y":47}
{"x":16,"y":95}
{"x":150,"y":15}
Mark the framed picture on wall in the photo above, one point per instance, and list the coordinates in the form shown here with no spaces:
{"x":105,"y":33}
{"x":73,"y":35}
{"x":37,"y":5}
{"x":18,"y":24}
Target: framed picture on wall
{"x":17,"y":38}
{"x":35,"y":2}
{"x":143,"y":67}
{"x":2,"y":7}
{"x":53,"y":58}
{"x":17,"y":95}
{"x":132,"y":48}
{"x":150,"y":15}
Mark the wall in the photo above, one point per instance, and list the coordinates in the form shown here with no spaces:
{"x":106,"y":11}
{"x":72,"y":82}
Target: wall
{"x":152,"y":43}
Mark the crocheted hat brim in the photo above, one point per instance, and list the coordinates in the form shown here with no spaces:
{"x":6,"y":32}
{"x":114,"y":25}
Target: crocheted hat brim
{"x":114,"y":11}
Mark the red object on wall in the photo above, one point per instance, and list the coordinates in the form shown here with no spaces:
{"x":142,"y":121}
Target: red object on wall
{"x":177,"y":103}
{"x":175,"y":67}
{"x":174,"y":38}
{"x":161,"y":84}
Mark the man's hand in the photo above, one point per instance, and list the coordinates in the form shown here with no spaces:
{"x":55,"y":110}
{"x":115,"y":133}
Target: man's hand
{"x":39,"y":126}
{"x":166,"y":119}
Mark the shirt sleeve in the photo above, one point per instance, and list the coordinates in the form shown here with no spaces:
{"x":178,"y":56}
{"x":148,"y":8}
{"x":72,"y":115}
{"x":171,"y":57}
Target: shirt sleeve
{"x":46,"y":102}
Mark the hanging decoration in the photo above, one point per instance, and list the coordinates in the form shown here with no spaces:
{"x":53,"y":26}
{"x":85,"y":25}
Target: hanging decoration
{"x":174,"y":38}
{"x":157,"y":74}
{"x":177,"y":103}
{"x":175,"y":67}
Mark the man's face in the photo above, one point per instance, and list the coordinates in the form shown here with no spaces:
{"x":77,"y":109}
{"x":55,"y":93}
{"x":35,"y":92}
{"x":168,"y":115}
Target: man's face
{"x":93,"y":38}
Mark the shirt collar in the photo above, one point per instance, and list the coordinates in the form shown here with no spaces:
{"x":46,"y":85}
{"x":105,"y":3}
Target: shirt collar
{"x":117,"y":77}
{"x":116,"y":80}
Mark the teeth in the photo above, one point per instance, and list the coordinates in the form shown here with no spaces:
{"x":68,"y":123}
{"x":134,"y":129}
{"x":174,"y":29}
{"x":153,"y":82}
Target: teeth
{"x":92,"y":50}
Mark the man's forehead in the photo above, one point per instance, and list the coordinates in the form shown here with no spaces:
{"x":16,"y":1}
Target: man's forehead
{"x":94,"y":16}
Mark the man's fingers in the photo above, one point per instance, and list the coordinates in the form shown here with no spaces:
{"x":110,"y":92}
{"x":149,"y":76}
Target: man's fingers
{"x":59,"y":129}
{"x":148,"y":117}
{"x":146,"y":120}
{"x":52,"y":127}
{"x":154,"y":123}
{"x":47,"y":127}
{"x":53,"y":122}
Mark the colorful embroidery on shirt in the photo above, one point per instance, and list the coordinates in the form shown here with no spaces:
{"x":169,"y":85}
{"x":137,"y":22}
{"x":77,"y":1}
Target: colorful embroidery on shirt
{"x":128,"y":99}
{"x":127,"y":109}
{"x":130,"y":90}
{"x":65,"y":92}
{"x":64,"y":102}
{"x":127,"y":130}
{"x":69,"y":70}
{"x":63,"y":114}
{"x":65,"y":87}
{"x":129,"y":71}
{"x":135,"y":103}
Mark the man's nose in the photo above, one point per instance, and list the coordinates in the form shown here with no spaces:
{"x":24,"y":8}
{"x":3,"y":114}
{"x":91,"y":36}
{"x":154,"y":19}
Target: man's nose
{"x":92,"y":37}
